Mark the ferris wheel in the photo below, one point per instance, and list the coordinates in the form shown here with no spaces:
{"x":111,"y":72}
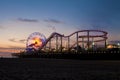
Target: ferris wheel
{"x":35,"y":41}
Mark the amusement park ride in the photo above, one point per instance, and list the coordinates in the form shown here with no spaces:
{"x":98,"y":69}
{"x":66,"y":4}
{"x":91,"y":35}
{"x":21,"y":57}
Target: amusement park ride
{"x":80,"y":39}
{"x":78,"y":44}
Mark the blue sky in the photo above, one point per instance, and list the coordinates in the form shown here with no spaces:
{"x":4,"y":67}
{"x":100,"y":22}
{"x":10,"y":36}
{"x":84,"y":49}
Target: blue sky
{"x":19,"y":18}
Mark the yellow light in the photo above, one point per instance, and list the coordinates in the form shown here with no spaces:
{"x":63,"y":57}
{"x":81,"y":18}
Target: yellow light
{"x":110,"y":46}
{"x":37,"y":42}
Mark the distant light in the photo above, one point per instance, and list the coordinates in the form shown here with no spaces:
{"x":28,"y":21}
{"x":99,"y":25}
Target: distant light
{"x":93,"y":43}
{"x":118,"y":44}
{"x":110,"y":46}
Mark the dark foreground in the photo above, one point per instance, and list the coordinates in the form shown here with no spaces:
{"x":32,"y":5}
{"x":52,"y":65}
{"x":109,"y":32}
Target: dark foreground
{"x":58,"y":69}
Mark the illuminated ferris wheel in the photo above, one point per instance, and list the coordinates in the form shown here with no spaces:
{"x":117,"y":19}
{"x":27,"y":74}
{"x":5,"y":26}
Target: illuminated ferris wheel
{"x":35,"y":41}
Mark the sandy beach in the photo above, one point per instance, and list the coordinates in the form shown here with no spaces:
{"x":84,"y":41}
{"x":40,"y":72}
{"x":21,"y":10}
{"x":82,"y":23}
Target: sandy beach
{"x":58,"y":69}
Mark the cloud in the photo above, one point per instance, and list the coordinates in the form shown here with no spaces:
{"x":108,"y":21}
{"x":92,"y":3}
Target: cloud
{"x":27,"y":20}
{"x":15,"y":47}
{"x":1,"y":27}
{"x":16,"y":40}
{"x":53,"y":21}
{"x":22,"y":41}
{"x":12,"y":40}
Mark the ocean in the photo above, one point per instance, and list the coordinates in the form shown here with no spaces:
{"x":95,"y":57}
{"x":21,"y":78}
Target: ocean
{"x":5,"y":55}
{"x":6,"y":52}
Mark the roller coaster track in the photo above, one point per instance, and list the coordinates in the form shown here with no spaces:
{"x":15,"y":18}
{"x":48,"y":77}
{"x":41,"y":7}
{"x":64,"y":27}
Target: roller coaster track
{"x":103,"y":36}
{"x":50,"y":37}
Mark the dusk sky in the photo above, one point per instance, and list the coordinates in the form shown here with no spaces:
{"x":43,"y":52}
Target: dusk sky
{"x":20,"y":18}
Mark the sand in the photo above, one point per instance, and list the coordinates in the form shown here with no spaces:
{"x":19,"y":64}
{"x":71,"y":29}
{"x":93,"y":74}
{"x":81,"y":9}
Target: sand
{"x":58,"y":69}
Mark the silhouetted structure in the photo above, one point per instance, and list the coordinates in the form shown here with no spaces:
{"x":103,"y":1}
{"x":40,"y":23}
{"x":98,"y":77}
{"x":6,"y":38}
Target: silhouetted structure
{"x":84,"y":38}
{"x":78,"y":45}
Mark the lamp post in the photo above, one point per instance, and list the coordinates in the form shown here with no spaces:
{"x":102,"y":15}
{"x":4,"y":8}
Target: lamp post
{"x":118,"y":45}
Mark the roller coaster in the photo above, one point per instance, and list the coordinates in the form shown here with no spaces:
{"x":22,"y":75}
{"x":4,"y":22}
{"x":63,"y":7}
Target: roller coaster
{"x":85,"y":39}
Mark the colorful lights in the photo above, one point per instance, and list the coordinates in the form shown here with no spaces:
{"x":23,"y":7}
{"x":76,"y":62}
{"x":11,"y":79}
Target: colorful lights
{"x":35,"y":41}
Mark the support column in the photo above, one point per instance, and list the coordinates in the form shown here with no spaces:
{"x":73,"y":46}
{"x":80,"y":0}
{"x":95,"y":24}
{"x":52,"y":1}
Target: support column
{"x":68,"y":43}
{"x":88,"y":42}
{"x":82,"y":42}
{"x":56,"y":43}
{"x":77,"y":40}
{"x":45,"y":47}
{"x":105,"y":43}
{"x":93,"y":44}
{"x":50,"y":45}
{"x":61,"y":45}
